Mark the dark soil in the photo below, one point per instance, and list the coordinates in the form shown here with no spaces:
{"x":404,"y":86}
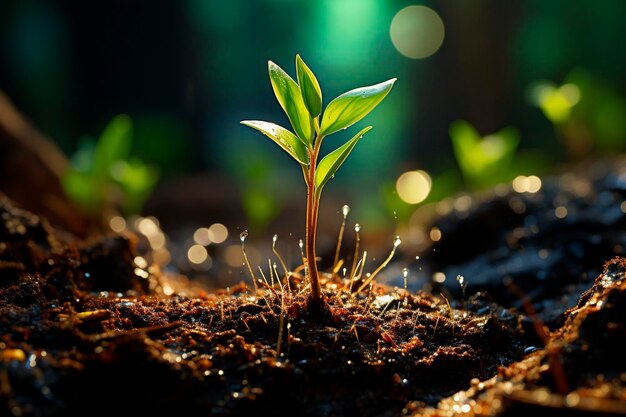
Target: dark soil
{"x":86,"y":328}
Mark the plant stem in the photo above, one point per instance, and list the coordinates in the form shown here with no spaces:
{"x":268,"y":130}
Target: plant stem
{"x":312,"y":208}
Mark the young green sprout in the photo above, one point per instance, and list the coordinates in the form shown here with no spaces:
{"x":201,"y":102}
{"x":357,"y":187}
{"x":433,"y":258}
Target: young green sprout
{"x":302,"y":102}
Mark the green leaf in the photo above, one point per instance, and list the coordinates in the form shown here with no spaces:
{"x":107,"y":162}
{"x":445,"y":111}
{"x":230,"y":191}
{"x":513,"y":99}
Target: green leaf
{"x":310,"y":88}
{"x":137,"y":181}
{"x":350,"y":107}
{"x":83,"y":189}
{"x":113,"y":145}
{"x":289,"y":96}
{"x":331,"y":162}
{"x":283,"y":138}
{"x":483,"y":160}
{"x":82,"y":159}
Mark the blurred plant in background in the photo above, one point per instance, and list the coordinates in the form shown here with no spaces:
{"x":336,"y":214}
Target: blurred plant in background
{"x":260,"y":204}
{"x":485,"y":161}
{"x":103,"y":178}
{"x":587,"y":114}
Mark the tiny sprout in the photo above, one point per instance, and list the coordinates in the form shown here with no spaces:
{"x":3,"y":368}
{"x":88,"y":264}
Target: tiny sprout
{"x":301,"y":99}
{"x":243,"y":237}
{"x":405,"y":276}
{"x":370,"y":277}
{"x":345,"y":210}
{"x":461,"y":280}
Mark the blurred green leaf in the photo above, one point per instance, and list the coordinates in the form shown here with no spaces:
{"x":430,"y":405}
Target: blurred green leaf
{"x":445,"y":184}
{"x":84,"y":190}
{"x":102,"y":175}
{"x":113,"y":145}
{"x":310,"y":88}
{"x":352,"y":106}
{"x":289,"y":96}
{"x":283,"y":138}
{"x":137,"y":180}
{"x":329,"y":165}
{"x":483,"y":161}
{"x":82,"y":159}
{"x":259,"y":206}
{"x":556,"y":103}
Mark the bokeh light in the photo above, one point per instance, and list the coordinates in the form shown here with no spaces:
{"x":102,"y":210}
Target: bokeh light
{"x":148,"y":226}
{"x":560,"y":212}
{"x":413,"y":186}
{"x":197,"y":254}
{"x":117,"y":224}
{"x":217,"y":233}
{"x":435,"y":234}
{"x":524,"y":184}
{"x":417,"y":32}
{"x":202,"y":237}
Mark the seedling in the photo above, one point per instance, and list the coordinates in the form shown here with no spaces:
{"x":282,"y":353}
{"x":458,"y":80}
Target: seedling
{"x":103,"y":178}
{"x":302,"y":102}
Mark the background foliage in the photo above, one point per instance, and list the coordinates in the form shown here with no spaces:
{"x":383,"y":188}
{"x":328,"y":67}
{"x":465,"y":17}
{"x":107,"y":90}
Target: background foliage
{"x":187,"y":71}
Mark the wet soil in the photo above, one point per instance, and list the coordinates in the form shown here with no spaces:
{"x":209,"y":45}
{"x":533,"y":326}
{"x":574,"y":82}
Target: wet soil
{"x":89,"y":327}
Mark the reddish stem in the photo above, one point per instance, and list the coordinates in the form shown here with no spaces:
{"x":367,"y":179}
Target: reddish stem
{"x":312,"y":206}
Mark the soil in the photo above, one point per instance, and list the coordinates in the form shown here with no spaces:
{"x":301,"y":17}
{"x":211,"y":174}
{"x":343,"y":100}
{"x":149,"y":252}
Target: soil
{"x":87,"y":327}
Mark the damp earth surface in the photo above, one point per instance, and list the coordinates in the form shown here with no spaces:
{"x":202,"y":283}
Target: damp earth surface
{"x":88,"y":324}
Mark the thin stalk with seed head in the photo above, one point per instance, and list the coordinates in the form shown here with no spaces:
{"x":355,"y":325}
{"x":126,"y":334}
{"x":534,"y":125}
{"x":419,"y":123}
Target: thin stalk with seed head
{"x":396,"y":243}
{"x":344,"y":210}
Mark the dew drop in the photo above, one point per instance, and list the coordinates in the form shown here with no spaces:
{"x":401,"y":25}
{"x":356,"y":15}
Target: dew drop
{"x":274,"y":239}
{"x":345,"y":210}
{"x":397,"y":241}
{"x":405,"y":272}
{"x":357,"y":228}
{"x":301,"y":244}
{"x":460,"y":279}
{"x":417,"y":258}
{"x":243,"y":236}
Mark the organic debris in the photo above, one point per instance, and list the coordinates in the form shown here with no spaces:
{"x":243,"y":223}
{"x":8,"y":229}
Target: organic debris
{"x":83,"y":326}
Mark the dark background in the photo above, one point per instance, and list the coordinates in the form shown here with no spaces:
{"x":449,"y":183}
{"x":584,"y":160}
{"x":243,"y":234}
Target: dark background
{"x":188,"y":71}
